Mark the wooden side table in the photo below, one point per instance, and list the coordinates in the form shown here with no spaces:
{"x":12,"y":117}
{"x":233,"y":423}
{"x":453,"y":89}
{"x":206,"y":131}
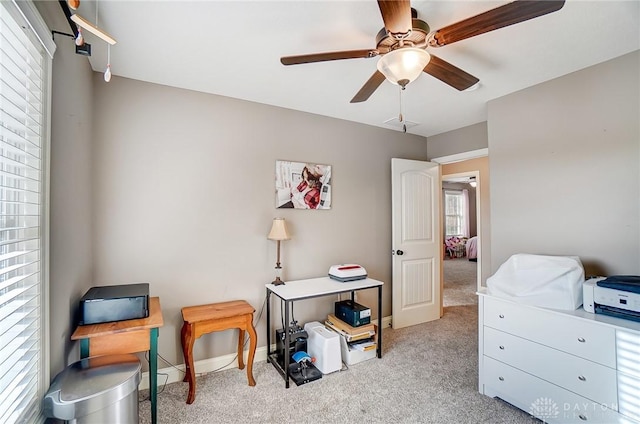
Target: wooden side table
{"x":203,"y":319}
{"x":130,"y":336}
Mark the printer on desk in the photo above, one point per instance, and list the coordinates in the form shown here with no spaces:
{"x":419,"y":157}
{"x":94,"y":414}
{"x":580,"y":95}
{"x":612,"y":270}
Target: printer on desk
{"x":617,"y":295}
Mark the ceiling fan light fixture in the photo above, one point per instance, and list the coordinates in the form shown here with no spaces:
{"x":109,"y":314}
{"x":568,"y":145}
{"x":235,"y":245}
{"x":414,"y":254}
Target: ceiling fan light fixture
{"x":403,"y":65}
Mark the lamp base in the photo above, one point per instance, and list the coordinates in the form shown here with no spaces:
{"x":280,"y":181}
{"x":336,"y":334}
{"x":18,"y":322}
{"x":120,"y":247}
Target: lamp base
{"x":277,"y":282}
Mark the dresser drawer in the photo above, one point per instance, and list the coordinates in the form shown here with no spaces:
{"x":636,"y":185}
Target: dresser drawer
{"x":588,"y":379}
{"x":545,"y":400}
{"x":569,"y":334}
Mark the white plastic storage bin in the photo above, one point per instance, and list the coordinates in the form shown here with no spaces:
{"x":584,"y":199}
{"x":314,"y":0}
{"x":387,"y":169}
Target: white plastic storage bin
{"x":324,"y":345}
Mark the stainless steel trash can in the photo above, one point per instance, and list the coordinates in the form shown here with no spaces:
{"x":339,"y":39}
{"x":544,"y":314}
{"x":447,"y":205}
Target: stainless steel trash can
{"x":103,"y":389}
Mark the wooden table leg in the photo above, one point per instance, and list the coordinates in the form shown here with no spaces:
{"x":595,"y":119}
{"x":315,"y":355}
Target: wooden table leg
{"x":252,"y":349}
{"x":188,"y":338}
{"x":241,"y":348}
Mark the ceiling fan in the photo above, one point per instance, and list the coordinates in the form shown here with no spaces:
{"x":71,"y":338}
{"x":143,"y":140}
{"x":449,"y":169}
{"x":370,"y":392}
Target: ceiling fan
{"x":403,"y":41}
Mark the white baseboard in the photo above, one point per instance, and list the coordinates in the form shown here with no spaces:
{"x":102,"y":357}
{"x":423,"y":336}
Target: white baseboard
{"x":204,"y":366}
{"x":175,"y":374}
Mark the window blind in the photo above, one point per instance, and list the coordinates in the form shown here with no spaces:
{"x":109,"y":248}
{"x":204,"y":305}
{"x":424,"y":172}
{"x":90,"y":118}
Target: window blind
{"x":23,"y":88}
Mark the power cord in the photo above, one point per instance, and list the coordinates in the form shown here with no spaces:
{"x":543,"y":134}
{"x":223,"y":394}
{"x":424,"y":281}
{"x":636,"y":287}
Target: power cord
{"x":166,"y":376}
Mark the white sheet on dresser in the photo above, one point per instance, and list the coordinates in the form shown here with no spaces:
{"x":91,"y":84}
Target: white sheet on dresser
{"x":539,"y":280}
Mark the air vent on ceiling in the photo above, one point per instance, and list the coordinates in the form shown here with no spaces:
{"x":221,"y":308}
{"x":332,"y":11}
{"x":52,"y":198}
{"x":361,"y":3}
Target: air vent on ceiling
{"x":396,"y":124}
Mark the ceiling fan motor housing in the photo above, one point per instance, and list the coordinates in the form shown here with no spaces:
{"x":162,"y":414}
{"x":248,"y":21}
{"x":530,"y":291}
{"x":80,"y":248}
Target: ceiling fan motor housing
{"x":417,"y":37}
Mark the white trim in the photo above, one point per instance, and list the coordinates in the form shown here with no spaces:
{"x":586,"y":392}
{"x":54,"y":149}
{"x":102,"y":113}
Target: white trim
{"x":220,"y":363}
{"x":46,"y":239}
{"x":459,"y":157}
{"x":204,"y":366}
{"x":38,"y":26}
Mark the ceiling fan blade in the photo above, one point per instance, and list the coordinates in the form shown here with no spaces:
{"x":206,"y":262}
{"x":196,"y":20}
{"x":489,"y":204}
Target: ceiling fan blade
{"x":323,"y":57}
{"x":396,"y":15}
{"x":369,"y":87}
{"x":500,"y":17}
{"x":449,"y":74}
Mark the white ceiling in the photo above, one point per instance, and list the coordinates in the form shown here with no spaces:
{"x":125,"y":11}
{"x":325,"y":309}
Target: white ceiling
{"x":232,"y":48}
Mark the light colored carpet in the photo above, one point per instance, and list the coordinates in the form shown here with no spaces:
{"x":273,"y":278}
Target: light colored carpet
{"x":460,"y":282}
{"x":428,"y":374}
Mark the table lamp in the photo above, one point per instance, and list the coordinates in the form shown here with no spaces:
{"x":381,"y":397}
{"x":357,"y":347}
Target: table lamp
{"x":278,"y":232}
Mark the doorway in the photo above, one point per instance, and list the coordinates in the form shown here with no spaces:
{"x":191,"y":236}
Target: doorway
{"x":461,"y":226}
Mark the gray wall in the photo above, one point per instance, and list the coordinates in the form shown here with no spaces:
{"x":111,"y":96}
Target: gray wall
{"x":473,"y":137}
{"x":184,"y":198}
{"x":176,"y":188}
{"x":565,"y":168}
{"x":71,"y":254}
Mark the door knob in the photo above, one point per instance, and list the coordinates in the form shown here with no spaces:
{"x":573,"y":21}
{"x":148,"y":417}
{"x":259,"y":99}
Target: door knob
{"x":399,"y":252}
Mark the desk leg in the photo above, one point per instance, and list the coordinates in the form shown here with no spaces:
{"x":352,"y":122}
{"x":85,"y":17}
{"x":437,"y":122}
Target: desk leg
{"x":268,"y":324}
{"x":84,"y":348}
{"x":153,"y":374}
{"x":287,"y":343}
{"x":379,"y":322}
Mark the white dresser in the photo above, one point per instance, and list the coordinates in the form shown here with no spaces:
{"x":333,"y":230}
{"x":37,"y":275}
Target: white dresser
{"x":560,"y":366}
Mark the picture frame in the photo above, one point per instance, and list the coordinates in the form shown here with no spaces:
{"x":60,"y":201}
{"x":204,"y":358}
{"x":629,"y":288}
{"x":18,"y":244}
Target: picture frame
{"x":302,"y":185}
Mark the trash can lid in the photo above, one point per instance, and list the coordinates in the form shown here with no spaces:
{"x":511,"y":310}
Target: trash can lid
{"x":92,"y":376}
{"x":91,"y":384}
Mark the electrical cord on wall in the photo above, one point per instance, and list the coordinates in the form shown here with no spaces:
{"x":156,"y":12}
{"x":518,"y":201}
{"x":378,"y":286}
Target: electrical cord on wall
{"x":293,"y":315}
{"x":247,"y":338}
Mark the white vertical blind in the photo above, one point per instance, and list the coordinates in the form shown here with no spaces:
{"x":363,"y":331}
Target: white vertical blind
{"x":23,"y":88}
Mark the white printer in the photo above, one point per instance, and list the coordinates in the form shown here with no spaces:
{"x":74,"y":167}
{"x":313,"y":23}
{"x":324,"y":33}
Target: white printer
{"x":617,"y":295}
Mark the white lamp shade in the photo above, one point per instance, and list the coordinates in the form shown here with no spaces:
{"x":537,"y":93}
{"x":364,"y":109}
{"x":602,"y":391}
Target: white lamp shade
{"x":404,"y":64}
{"x":278,"y":230}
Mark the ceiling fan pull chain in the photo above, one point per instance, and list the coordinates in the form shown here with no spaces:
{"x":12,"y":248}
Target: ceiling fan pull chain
{"x":400,"y":117}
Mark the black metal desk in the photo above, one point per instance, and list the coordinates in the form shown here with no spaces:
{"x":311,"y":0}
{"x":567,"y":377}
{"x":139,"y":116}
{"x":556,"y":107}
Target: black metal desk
{"x":292,"y":291}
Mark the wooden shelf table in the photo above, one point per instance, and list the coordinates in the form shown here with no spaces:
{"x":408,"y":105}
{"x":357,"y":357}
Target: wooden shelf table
{"x":130,"y":336}
{"x":204,"y":319}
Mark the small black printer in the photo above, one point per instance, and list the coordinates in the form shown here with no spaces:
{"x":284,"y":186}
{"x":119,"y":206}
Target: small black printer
{"x":114,"y":303}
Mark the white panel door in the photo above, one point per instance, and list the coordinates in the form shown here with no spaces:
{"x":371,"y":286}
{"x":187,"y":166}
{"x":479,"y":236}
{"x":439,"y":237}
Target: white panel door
{"x":417,"y":245}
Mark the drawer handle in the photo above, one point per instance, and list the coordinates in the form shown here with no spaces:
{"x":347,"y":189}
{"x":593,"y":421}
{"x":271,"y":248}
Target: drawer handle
{"x":501,"y":347}
{"x":581,"y":339}
{"x":582,"y":378}
{"x":583,"y":417}
{"x":501,"y":378}
{"x":501,"y":316}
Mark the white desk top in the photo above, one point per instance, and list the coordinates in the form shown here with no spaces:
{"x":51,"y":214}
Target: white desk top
{"x":301,"y":289}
